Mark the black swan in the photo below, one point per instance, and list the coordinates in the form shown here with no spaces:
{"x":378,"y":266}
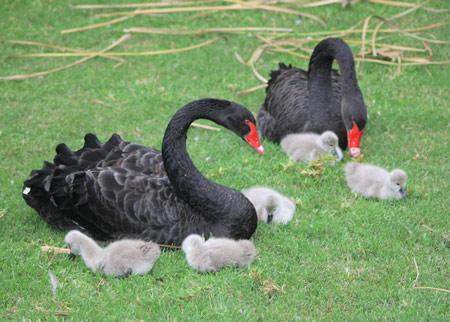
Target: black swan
{"x":215,"y":253}
{"x":316,"y":100}
{"x":125,"y":190}
{"x":120,"y":258}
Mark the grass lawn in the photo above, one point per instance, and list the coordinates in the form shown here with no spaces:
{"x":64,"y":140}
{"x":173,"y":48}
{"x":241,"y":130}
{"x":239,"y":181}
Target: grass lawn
{"x":341,"y":258}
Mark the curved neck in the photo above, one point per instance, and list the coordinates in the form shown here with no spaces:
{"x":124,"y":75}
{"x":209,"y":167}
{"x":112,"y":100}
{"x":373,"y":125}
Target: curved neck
{"x":320,"y":64}
{"x":206,"y":197}
{"x":89,"y":249}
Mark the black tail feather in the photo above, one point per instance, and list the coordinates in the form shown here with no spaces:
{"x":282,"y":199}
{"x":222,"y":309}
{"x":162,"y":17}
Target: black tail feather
{"x":57,"y":189}
{"x":36,"y":193}
{"x":91,"y":142}
{"x":64,"y":156}
{"x":276,"y":73}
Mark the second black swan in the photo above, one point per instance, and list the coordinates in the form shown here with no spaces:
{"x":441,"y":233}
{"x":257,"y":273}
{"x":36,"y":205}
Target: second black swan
{"x":316,"y":100}
{"x":124,"y":190}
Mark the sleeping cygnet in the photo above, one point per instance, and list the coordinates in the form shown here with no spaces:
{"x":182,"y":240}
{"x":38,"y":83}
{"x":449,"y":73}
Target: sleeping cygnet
{"x":373,"y":181}
{"x":311,"y":146}
{"x":216,"y":253}
{"x":270,"y":205}
{"x":121,"y":258}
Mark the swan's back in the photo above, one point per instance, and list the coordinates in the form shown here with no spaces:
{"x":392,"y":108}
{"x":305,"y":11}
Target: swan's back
{"x":366,"y":179}
{"x":303,"y":141}
{"x":215,"y":253}
{"x":135,"y":255}
{"x":112,"y":190}
{"x":228,"y":252}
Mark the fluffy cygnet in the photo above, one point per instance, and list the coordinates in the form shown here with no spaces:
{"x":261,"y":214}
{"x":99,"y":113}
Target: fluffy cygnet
{"x":215,"y":253}
{"x":311,"y":146}
{"x":270,"y":205}
{"x":373,"y":181}
{"x":120,"y":258}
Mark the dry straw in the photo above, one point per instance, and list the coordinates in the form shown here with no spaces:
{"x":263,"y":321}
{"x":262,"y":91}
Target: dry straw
{"x":196,"y":32}
{"x":205,"y":127}
{"x":80,"y":61}
{"x":115,"y":54}
{"x":238,"y":6}
{"x":371,"y":40}
{"x":416,"y":282}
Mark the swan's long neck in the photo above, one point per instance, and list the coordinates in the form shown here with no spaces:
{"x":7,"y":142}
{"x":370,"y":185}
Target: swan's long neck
{"x":90,"y":251}
{"x":319,"y":74}
{"x":211,"y":200}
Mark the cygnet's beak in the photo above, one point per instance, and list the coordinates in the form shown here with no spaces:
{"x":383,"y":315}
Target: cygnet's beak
{"x":403,"y":192}
{"x":337,"y":152}
{"x":253,"y":139}
{"x":354,"y":141}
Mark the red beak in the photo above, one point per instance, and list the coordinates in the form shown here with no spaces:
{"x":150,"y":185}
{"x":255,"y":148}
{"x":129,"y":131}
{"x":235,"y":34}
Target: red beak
{"x":354,"y":141}
{"x":253,"y":139}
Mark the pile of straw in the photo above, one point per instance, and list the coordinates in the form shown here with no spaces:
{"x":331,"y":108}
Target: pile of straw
{"x":369,"y":37}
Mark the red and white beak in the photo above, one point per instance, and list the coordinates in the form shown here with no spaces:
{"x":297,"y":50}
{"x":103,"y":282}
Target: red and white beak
{"x":253,"y":139}
{"x":354,"y":141}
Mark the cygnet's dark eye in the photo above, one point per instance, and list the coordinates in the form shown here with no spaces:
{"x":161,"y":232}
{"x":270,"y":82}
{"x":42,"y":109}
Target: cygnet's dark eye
{"x":398,"y":184}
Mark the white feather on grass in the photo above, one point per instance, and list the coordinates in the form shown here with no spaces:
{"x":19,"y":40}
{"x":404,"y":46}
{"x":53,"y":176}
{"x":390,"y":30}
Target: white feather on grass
{"x":53,"y":281}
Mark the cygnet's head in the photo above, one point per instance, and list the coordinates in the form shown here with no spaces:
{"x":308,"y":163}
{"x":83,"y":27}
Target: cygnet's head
{"x":74,"y":239}
{"x":248,"y":248}
{"x":271,"y":207}
{"x":397,"y":182}
{"x":191,"y":242}
{"x":329,"y":140}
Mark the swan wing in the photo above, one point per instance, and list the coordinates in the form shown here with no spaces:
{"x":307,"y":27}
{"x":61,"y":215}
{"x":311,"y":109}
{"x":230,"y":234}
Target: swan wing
{"x":114,"y":152}
{"x":126,"y":203}
{"x":285,"y":109}
{"x":107,"y":190}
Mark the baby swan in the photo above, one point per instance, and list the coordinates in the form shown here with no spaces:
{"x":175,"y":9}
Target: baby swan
{"x":376,"y":182}
{"x":270,"y":205}
{"x":216,"y":253}
{"x":120,"y":259}
{"x":311,"y":146}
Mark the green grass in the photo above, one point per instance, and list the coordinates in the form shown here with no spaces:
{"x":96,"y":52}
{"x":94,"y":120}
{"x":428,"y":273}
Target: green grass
{"x":341,"y":258}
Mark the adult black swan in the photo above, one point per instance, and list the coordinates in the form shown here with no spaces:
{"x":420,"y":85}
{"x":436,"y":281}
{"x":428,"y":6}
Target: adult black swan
{"x":121,"y":189}
{"x":316,"y":100}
